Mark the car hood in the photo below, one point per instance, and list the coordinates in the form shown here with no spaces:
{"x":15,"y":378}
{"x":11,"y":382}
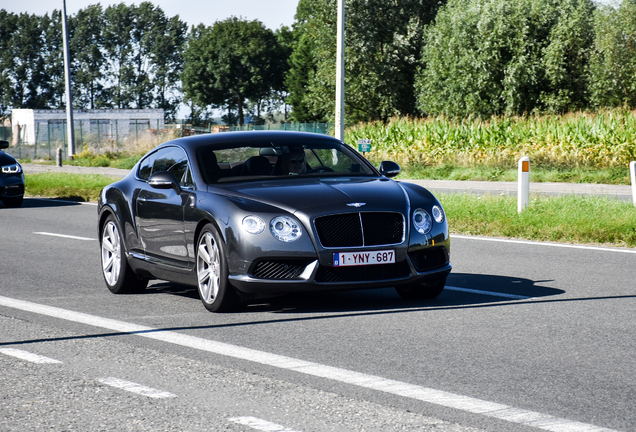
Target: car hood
{"x":6,"y":159}
{"x":316,"y":196}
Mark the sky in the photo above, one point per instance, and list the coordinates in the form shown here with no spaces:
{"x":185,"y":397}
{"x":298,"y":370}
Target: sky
{"x":271,"y":13}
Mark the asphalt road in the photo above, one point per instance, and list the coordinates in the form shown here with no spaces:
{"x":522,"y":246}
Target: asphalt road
{"x":528,"y":337}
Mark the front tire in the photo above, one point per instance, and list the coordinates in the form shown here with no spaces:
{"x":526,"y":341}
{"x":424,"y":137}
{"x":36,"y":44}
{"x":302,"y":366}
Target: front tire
{"x":215,"y":291}
{"x":421,"y":291}
{"x":119,"y":277}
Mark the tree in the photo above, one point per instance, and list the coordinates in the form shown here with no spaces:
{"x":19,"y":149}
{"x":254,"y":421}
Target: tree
{"x":232,"y":61}
{"x":118,"y":44}
{"x":87,"y":52}
{"x":488,"y":57}
{"x":52,"y":83}
{"x":382,"y":47}
{"x":168,"y":41}
{"x":613,"y":57}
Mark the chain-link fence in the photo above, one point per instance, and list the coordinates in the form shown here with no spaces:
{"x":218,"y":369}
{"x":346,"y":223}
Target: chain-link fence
{"x":42,"y":140}
{"x":321,"y":128}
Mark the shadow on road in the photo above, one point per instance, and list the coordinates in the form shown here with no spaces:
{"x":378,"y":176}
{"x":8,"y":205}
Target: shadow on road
{"x":384,"y":299}
{"x":49,"y":202}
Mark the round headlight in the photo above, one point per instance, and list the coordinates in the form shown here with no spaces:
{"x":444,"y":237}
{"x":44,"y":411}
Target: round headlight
{"x":438,"y":214}
{"x":285,"y":229}
{"x":422,"y":221}
{"x":253,"y":224}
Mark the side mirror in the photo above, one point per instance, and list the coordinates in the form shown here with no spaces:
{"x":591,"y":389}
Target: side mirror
{"x":389,"y":169}
{"x":4,"y":144}
{"x":164,"y":180}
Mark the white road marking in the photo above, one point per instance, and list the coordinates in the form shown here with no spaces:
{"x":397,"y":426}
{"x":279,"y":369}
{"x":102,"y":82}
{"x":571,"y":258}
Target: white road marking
{"x":25,"y":355}
{"x":65,"y":236}
{"x":261,"y":425}
{"x":490,"y":293}
{"x":539,"y":243}
{"x":424,"y":394}
{"x":135,"y":388}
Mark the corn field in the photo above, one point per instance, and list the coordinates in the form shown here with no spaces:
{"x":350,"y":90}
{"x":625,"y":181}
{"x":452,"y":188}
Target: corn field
{"x":603,"y":139}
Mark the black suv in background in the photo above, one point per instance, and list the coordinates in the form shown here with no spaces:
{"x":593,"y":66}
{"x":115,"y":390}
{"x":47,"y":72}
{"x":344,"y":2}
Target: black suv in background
{"x":11,"y":179}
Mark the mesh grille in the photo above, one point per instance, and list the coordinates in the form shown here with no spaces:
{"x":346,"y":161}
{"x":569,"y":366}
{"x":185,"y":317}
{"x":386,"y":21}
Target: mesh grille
{"x":382,"y":228}
{"x":346,"y":230}
{"x":373,"y":273}
{"x":429,"y":259}
{"x":281,"y":270}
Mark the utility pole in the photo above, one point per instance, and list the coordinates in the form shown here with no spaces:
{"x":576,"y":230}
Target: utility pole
{"x":340,"y":81}
{"x":69,"y":98}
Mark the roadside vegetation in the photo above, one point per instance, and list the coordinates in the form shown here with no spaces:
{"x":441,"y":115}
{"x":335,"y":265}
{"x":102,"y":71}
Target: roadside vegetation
{"x":579,"y":147}
{"x":74,"y":187}
{"x":567,"y":219}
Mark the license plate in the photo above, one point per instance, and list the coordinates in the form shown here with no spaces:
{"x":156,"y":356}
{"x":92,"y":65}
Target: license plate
{"x":344,"y":259}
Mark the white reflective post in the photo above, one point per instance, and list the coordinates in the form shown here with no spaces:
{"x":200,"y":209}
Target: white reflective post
{"x":632,"y":173}
{"x":523,"y":190}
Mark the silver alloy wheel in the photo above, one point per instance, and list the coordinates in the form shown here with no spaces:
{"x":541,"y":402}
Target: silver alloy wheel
{"x":111,"y":253}
{"x":208,"y":268}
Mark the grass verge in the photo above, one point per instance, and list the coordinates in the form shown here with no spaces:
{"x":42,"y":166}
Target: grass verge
{"x":568,"y":219}
{"x":75,"y":187}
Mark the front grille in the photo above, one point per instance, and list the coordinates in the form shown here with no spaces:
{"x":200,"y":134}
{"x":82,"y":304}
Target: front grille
{"x":360,"y":229}
{"x":281,"y":270}
{"x":370,"y":273}
{"x":429,"y":259}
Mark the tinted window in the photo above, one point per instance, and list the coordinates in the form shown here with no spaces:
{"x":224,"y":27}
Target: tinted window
{"x":171,"y":159}
{"x":145,"y":167}
{"x":174,"y":160}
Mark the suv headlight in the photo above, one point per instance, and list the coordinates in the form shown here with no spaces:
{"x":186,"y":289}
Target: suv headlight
{"x":12,"y":169}
{"x":285,"y":229}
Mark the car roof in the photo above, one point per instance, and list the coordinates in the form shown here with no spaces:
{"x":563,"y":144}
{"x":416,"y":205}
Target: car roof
{"x":251,"y":138}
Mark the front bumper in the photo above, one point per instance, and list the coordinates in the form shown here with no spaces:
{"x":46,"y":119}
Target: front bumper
{"x":272,"y":276}
{"x":12,"y":185}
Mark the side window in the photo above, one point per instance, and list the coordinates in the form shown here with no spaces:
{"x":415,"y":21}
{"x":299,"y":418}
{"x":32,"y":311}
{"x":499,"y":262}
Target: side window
{"x":174,"y":160}
{"x":145,"y":167}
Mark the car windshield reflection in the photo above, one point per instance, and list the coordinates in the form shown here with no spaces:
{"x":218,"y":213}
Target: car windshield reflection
{"x":220,"y":165}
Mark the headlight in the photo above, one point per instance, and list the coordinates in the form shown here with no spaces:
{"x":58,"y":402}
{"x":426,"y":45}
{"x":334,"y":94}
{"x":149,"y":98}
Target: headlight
{"x":253,"y":224}
{"x":285,"y":229}
{"x":438,"y":214}
{"x":422,"y":221}
{"x":12,"y":169}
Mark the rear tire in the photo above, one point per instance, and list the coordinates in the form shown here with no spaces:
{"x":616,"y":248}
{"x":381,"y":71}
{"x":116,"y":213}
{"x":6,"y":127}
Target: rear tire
{"x":421,"y":291}
{"x":12,"y":202}
{"x":119,"y":277}
{"x":215,"y":290}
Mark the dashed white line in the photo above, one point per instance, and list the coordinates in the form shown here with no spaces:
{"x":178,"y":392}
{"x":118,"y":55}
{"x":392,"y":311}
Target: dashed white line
{"x":25,"y":355}
{"x":65,"y":236}
{"x":490,"y":293}
{"x":135,"y":388}
{"x":413,"y":391}
{"x":539,"y":243}
{"x":261,"y":425}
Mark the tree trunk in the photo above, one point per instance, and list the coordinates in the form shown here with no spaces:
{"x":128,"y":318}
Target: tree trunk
{"x":240,"y":110}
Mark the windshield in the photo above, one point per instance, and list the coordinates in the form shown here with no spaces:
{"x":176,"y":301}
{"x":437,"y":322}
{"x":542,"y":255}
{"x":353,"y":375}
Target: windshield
{"x":239,"y":163}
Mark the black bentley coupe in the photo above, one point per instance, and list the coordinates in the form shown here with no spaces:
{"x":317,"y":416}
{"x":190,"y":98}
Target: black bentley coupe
{"x":245,"y":215}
